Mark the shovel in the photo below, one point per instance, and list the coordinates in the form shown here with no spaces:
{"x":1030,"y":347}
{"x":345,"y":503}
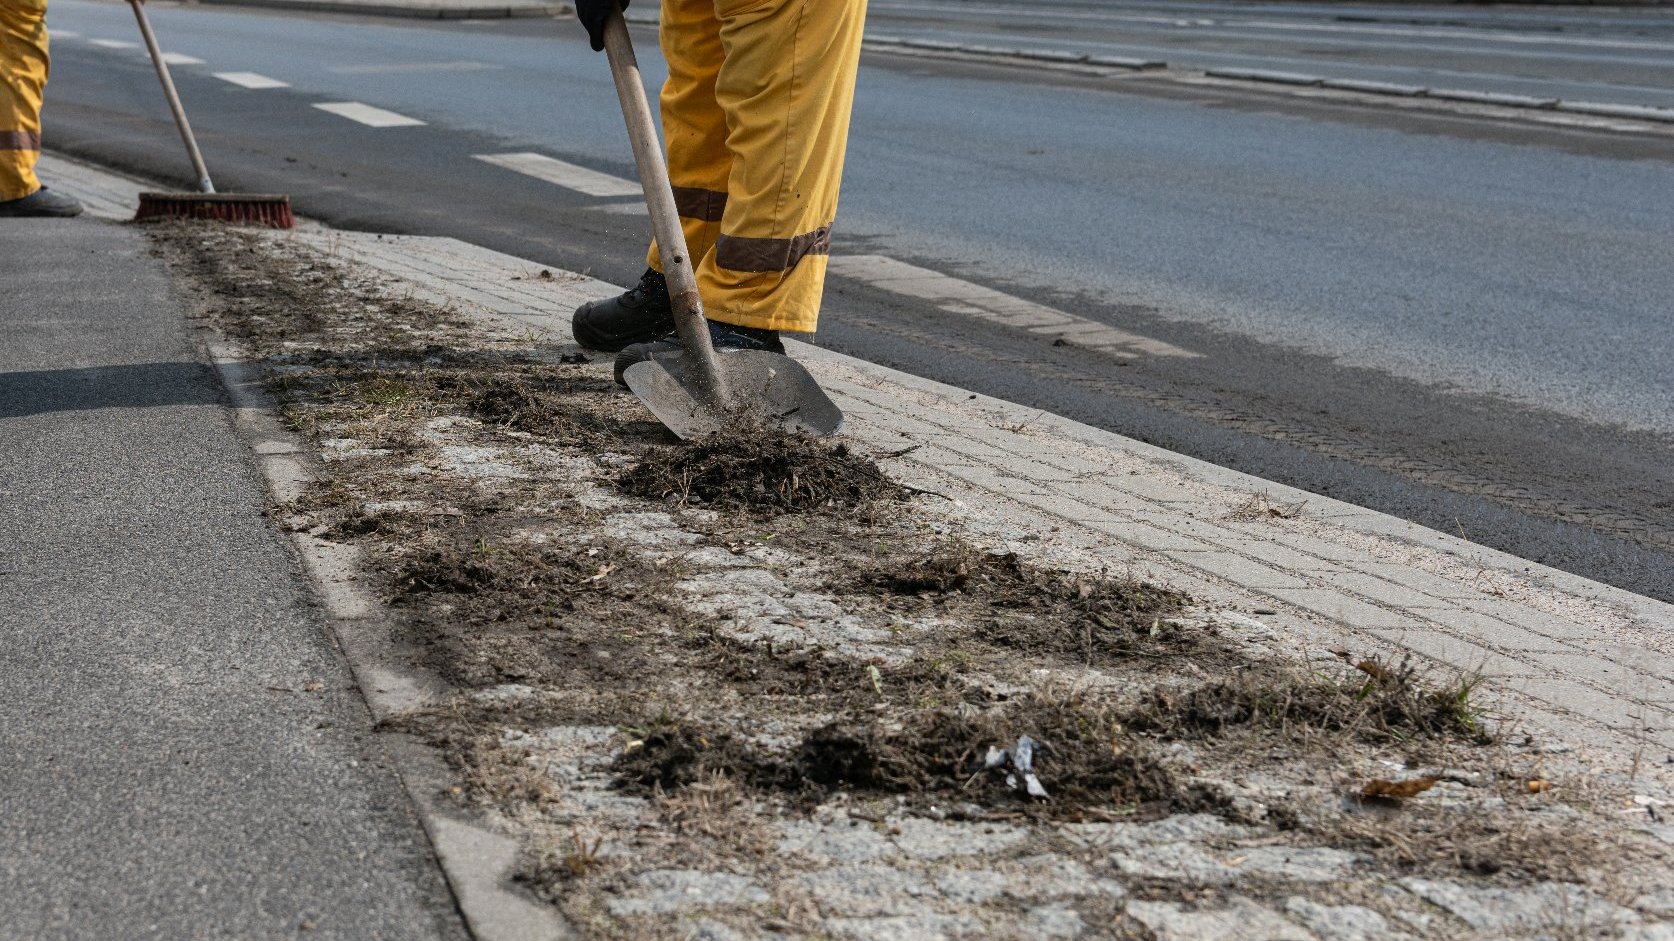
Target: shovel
{"x":698,"y":392}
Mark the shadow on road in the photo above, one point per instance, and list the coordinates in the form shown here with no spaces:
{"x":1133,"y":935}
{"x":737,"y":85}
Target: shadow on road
{"x":141,"y":385}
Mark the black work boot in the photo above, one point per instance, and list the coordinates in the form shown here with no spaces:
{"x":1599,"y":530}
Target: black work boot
{"x":641,"y":315}
{"x":725,"y":336}
{"x":42,"y":203}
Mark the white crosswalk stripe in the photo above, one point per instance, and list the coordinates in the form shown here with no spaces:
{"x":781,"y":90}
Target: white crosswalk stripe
{"x":114,"y":43}
{"x":181,"y":58}
{"x":368,"y":115}
{"x":567,"y":175}
{"x":973,"y":300}
{"x":251,"y":80}
{"x":396,"y":68}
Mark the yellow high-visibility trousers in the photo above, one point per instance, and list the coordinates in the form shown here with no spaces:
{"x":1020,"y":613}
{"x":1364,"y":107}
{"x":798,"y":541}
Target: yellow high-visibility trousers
{"x":756,"y":117}
{"x":23,"y":75}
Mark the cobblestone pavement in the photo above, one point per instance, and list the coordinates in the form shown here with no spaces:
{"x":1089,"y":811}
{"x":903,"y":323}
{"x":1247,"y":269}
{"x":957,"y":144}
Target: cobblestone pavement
{"x":1582,"y":671}
{"x":1574,"y":656}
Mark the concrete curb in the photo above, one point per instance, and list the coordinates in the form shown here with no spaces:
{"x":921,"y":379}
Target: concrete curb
{"x":1468,"y":96}
{"x":476,"y":859}
{"x":1014,"y":56}
{"x":412,"y":10}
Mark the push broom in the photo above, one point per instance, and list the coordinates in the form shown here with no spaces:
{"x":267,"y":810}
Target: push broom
{"x":241,"y":208}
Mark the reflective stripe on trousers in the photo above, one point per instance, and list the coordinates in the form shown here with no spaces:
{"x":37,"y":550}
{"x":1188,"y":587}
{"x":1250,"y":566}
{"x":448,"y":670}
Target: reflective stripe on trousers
{"x":23,"y":74}
{"x":756,"y":116}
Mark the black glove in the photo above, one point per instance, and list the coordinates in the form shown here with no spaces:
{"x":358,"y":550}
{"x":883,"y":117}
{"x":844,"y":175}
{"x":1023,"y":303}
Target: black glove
{"x":592,"y":14}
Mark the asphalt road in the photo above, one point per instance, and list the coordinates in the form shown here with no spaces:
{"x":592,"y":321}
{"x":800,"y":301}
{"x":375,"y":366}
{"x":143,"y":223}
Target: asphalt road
{"x":1461,"y":321}
{"x":183,"y":754}
{"x":1606,"y":54}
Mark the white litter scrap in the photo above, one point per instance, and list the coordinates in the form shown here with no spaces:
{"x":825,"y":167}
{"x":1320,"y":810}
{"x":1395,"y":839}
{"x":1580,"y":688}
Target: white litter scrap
{"x":1022,"y":758}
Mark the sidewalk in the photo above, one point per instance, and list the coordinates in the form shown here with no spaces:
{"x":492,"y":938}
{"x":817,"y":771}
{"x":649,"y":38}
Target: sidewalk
{"x":183,"y":752}
{"x":1578,"y":658}
{"x":1575,"y":657}
{"x":1580,"y":670}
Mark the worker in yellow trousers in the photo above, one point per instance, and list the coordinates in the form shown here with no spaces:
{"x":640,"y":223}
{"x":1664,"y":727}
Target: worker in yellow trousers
{"x":23,"y":76}
{"x":756,"y":117}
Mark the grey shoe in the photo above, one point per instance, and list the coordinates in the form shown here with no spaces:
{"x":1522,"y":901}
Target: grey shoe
{"x":42,"y":202}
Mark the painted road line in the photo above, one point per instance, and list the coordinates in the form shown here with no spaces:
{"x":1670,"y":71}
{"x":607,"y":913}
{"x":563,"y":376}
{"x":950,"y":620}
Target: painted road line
{"x":251,"y":80}
{"x":181,"y":58}
{"x":368,"y":115}
{"x":396,"y":68}
{"x":973,"y":300}
{"x":65,"y":34}
{"x":567,"y":175}
{"x":114,"y":43}
{"x":622,"y":209}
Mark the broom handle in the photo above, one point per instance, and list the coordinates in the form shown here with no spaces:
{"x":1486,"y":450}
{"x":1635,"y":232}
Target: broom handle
{"x":659,"y":199}
{"x":204,"y":186}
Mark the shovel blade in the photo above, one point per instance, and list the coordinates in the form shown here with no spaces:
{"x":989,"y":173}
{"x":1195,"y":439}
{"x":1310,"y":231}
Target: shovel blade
{"x":763,"y":388}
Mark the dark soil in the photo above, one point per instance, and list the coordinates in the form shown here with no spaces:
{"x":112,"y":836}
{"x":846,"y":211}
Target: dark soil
{"x":762,"y":471}
{"x":489,"y":612}
{"x":1088,"y":766}
{"x":1001,"y":601}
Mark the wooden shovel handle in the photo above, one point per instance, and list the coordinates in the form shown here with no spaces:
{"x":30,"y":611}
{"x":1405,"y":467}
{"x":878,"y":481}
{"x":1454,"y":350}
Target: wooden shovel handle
{"x":659,"y":199}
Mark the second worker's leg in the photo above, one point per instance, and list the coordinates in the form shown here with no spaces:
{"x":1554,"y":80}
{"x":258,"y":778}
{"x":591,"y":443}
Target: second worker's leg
{"x":787,"y":87}
{"x":24,"y":64}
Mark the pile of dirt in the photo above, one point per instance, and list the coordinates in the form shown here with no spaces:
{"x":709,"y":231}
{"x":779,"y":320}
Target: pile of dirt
{"x":679,"y":753}
{"x":1012,"y":604}
{"x":530,"y":572}
{"x":764,"y":471}
{"x":1373,"y":702}
{"x":1086,"y":765}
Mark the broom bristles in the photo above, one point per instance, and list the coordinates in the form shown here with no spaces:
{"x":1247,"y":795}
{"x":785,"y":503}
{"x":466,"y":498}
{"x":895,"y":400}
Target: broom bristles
{"x":237,"y":208}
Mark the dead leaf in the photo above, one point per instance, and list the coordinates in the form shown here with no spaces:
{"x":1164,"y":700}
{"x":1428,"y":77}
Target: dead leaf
{"x":1412,"y":787}
{"x":1372,"y":669}
{"x":313,"y":686}
{"x":1539,"y":786}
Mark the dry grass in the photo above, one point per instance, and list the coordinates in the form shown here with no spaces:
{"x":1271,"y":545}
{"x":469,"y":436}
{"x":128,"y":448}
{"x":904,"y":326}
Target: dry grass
{"x":1371,"y":702}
